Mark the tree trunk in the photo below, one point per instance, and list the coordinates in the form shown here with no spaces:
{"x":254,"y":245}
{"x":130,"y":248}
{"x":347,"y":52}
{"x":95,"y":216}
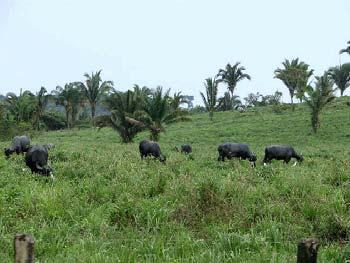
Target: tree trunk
{"x":38,"y":123}
{"x":211,"y":114}
{"x":291,"y":99}
{"x":315,"y":121}
{"x":342,"y":92}
{"x":67,"y":119}
{"x":93,"y":111}
{"x":232,"y":102}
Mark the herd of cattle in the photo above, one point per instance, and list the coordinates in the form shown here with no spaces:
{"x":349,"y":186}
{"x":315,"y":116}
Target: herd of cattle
{"x":36,"y":157}
{"x":228,"y":150}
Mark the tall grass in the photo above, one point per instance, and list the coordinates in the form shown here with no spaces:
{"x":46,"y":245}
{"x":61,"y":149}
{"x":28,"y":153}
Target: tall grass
{"x":107,"y":205}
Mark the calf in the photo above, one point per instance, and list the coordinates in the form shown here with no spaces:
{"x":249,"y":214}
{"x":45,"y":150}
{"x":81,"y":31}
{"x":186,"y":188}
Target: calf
{"x":281,"y":152}
{"x":20,"y":144}
{"x":150,"y":148}
{"x":238,"y":150}
{"x":36,"y":159}
{"x":186,"y":148}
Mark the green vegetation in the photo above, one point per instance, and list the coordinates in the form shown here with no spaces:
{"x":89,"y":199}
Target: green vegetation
{"x":341,"y":76}
{"x":295,"y":75}
{"x":318,"y":98}
{"x":106,"y":205}
{"x":210,"y":100}
{"x":160,"y":109}
{"x":94,"y":88}
{"x":123,"y":107}
{"x":231,"y":75}
{"x":71,"y":98}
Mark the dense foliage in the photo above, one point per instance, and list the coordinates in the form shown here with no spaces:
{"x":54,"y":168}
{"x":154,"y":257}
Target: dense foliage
{"x":295,"y":76}
{"x":319,"y":97}
{"x":210,"y":99}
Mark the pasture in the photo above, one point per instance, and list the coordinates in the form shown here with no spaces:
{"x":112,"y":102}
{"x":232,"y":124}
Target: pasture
{"x":106,"y":205}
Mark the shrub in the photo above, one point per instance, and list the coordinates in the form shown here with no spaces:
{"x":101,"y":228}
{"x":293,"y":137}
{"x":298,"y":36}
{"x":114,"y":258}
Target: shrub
{"x":279,"y":108}
{"x":53,"y":120}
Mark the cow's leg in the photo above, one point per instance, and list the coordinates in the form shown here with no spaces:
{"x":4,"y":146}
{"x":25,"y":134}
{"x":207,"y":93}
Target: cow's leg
{"x":156,"y":155}
{"x":266,"y":160}
{"x":287,"y":160}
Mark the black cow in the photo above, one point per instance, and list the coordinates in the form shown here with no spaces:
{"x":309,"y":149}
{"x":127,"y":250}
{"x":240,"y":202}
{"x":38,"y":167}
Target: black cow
{"x":150,"y":148}
{"x":36,"y":159}
{"x":238,"y":150}
{"x":20,"y":144}
{"x":281,"y":152}
{"x":186,"y":148}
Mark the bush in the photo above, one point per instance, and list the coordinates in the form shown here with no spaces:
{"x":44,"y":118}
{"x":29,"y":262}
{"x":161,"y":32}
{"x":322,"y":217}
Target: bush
{"x":6,"y":129}
{"x":279,"y":108}
{"x":9,"y":128}
{"x":53,"y":120}
{"x":198,"y":109}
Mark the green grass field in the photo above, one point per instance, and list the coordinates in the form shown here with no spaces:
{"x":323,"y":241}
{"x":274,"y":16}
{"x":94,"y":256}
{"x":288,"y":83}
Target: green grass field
{"x":106,"y":205}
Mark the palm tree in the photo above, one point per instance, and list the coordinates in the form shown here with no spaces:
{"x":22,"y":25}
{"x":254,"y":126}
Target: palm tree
{"x":177,"y":100}
{"x":157,"y":112}
{"x":2,"y":110}
{"x":302,"y":74}
{"x":210,"y":100}
{"x":341,"y":76}
{"x":345,"y":50}
{"x":227,"y":103}
{"x":295,"y":76}
{"x":231,"y":75}
{"x":41,"y":102}
{"x":141,"y":94}
{"x":319,"y":97}
{"x":94,"y":88}
{"x":70,"y":98}
{"x":22,"y":106}
{"x":123,"y":107}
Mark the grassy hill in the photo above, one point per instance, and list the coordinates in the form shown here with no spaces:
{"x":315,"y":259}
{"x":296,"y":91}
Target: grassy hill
{"x":108,"y":206}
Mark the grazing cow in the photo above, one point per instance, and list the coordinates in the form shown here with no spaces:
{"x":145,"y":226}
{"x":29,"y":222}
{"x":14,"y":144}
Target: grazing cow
{"x":239,"y":150}
{"x":186,"y":148}
{"x":281,"y":152}
{"x":150,"y":148}
{"x":20,"y":144}
{"x":36,"y":159}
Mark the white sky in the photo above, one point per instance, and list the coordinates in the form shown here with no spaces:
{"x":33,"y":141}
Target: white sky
{"x":173,"y":43}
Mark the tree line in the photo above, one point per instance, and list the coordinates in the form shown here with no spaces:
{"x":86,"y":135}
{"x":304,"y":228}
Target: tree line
{"x":142,"y":108}
{"x":296,"y":76}
{"x":130,"y":112}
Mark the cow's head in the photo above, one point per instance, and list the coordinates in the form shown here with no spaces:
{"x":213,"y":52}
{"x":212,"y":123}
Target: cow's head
{"x":45,"y":170}
{"x":301,"y":158}
{"x":252,"y":159}
{"x":162,"y":158}
{"x":8,"y":152}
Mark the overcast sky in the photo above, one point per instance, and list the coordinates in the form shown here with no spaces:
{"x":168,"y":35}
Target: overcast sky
{"x":173,"y":43}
